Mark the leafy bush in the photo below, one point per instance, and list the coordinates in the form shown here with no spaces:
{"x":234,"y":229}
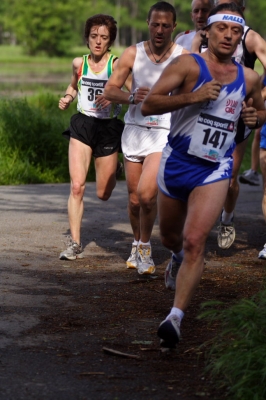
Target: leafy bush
{"x":237,"y":355}
{"x":32,"y":148}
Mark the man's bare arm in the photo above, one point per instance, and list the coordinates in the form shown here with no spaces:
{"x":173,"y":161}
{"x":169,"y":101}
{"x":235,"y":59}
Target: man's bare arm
{"x":178,"y":78}
{"x":253,"y":112}
{"x":256,"y":44}
{"x":121,"y":77}
{"x":197,"y":41}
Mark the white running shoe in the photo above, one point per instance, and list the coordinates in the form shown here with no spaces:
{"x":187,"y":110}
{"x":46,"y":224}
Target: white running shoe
{"x":132,"y":259}
{"x":73,"y":251}
{"x":226,"y":235}
{"x":262,"y":253}
{"x":145,"y":262}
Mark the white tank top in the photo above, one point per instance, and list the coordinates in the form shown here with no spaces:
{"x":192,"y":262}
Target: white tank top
{"x":90,"y":85}
{"x":146,"y":73}
{"x":186,"y":39}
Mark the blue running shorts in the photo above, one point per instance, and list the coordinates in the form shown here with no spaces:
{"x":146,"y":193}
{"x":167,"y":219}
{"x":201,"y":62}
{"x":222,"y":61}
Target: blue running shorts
{"x":263,"y":137}
{"x":180,"y":173}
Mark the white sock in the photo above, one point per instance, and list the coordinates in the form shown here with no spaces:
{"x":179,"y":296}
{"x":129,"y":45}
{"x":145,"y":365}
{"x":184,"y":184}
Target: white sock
{"x":135,"y":243}
{"x":145,"y":244}
{"x":227,"y":217}
{"x":176,"y":311}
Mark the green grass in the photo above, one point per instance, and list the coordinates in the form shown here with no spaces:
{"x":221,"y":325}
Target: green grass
{"x":32,"y":148}
{"x":14,"y":62}
{"x":22,"y":76}
{"x":246,"y":163}
{"x":258,"y":67}
{"x":236,"y":356}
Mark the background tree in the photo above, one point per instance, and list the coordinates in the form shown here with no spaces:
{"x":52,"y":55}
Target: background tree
{"x":55,"y":26}
{"x":43,"y":26}
{"x":256,"y":15}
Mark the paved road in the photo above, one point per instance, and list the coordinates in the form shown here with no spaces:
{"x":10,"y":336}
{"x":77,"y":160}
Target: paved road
{"x":33,"y":224}
{"x":33,"y":229}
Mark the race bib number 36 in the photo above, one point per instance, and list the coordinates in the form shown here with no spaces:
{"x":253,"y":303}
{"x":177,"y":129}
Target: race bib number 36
{"x":211,"y":138}
{"x":90,"y":90}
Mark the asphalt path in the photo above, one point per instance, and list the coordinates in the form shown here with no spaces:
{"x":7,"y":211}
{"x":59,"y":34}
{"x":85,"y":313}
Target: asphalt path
{"x":33,"y":226}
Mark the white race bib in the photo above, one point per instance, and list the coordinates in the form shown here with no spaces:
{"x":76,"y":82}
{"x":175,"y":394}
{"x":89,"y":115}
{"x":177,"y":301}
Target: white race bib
{"x":211,"y":137}
{"x":90,"y":89}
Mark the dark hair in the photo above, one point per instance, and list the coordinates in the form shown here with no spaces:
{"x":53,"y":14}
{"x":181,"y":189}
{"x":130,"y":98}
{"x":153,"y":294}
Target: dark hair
{"x":164,"y":7}
{"x":227,"y":7}
{"x":101,"y":19}
{"x":211,"y":3}
{"x":240,"y":3}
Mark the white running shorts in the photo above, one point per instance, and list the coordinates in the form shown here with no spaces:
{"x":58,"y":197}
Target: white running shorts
{"x":138,"y":142}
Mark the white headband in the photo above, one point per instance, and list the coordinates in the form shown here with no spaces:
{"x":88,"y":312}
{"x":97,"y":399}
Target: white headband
{"x":227,"y":18}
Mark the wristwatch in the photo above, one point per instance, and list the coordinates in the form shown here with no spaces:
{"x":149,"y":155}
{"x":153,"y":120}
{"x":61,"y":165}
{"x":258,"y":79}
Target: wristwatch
{"x":131,"y":98}
{"x":257,"y":124}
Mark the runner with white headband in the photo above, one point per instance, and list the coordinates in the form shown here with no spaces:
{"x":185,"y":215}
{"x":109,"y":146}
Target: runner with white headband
{"x":225,"y":18}
{"x":209,"y":91}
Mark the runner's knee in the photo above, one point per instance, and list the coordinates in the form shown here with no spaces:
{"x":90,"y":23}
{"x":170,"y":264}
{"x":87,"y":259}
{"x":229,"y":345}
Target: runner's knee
{"x":134,"y":206}
{"x":77,"y":189}
{"x":194,"y":244}
{"x":103,"y":194}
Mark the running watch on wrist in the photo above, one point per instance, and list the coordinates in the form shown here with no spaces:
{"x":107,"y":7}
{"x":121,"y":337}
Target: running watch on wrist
{"x":257,"y":124}
{"x":131,"y":98}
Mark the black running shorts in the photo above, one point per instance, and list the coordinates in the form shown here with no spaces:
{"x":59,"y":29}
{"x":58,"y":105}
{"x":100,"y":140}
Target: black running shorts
{"x":242,"y":132}
{"x":102,"y":135}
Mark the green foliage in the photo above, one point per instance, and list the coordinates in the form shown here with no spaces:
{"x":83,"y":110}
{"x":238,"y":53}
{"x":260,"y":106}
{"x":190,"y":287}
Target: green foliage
{"x":237,"y":355}
{"x":43,"y":26}
{"x":245,"y":165}
{"x":255,"y":16}
{"x":54,"y":26}
{"x":32,"y":148}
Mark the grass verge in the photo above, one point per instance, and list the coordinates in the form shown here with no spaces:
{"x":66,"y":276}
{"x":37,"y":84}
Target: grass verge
{"x":236,"y":356}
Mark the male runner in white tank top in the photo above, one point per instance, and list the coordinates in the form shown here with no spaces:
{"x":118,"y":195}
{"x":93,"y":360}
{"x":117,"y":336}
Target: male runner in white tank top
{"x":200,"y":10}
{"x":144,"y":137}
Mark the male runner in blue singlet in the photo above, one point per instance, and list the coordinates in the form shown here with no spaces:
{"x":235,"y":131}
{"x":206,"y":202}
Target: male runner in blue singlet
{"x":196,"y":164}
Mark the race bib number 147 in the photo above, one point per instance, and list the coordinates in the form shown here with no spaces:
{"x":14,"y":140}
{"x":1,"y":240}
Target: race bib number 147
{"x":211,"y":138}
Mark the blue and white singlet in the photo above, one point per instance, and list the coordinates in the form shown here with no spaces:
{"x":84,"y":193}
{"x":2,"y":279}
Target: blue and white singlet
{"x":207,"y":130}
{"x":201,"y":138}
